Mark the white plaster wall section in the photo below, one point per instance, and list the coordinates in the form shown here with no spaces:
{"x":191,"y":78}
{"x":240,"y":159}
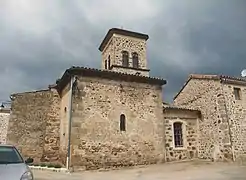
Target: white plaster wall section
{"x":4,"y":121}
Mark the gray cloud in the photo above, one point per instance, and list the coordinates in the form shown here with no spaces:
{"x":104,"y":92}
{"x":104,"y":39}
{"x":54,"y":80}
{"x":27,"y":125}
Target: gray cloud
{"x":40,"y":39}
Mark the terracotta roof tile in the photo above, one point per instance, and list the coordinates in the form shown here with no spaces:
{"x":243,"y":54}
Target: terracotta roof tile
{"x":179,"y":108}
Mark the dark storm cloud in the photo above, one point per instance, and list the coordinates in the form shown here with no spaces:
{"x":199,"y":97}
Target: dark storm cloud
{"x":203,"y":37}
{"x":40,"y":40}
{"x":32,"y":60}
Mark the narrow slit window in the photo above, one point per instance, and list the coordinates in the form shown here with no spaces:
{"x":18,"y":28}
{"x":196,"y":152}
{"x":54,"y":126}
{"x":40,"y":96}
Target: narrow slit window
{"x":178,"y":135}
{"x":105,"y":64}
{"x":122,"y":122}
{"x":109,"y":63}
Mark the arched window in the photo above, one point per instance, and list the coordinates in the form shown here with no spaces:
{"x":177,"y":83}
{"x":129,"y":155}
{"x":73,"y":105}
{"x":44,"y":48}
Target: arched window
{"x":135,"y":62}
{"x":105,"y":64}
{"x":178,"y":134}
{"x":125,"y":59}
{"x":122,"y":122}
{"x":109,"y":62}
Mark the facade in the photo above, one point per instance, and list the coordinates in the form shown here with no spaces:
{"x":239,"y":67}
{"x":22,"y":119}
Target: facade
{"x":116,"y":118}
{"x":4,"y":121}
{"x":222,"y":102}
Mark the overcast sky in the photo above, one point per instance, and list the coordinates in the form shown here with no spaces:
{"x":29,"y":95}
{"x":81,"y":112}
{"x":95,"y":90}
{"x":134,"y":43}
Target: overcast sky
{"x":39,"y":39}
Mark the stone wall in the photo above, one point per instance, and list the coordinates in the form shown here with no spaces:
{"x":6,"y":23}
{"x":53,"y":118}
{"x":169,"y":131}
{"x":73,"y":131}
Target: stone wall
{"x":34,"y":125}
{"x":97,"y":141}
{"x":119,"y":43}
{"x":4,"y":121}
{"x":189,"y":120}
{"x":130,"y":45}
{"x":108,"y":52}
{"x":236,"y":110}
{"x":214,"y":137}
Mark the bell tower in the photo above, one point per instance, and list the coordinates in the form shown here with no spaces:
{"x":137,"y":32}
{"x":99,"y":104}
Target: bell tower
{"x":124,"y":51}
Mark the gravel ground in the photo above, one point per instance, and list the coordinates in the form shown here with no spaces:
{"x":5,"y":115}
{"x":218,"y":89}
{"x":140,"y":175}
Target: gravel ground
{"x":196,"y":170}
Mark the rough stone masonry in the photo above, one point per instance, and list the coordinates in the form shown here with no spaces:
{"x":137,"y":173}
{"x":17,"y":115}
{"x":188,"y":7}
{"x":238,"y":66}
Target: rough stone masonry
{"x":34,"y":125}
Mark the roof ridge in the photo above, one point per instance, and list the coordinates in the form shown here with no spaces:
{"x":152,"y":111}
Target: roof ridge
{"x":233,"y":78}
{"x":31,"y":91}
{"x":210,"y":77}
{"x":215,"y":76}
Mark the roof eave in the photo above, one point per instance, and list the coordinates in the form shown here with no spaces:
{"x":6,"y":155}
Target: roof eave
{"x":73,"y":71}
{"x":121,"y":32}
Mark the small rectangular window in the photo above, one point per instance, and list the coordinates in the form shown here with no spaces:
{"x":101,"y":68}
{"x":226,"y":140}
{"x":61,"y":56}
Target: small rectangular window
{"x":178,"y":135}
{"x":237,"y":93}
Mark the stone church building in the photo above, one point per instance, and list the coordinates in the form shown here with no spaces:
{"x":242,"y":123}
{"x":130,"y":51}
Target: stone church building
{"x":115,"y":116}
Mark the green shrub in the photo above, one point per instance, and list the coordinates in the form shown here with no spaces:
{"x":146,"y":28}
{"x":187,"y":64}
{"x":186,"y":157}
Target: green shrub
{"x":43,"y":165}
{"x":57,"y":166}
{"x":50,"y":165}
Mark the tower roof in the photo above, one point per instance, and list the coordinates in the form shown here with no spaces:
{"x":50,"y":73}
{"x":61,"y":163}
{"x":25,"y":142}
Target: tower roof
{"x":121,"y":32}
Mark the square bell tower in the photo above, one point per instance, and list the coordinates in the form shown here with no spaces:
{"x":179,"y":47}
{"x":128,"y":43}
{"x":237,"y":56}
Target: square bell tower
{"x":125,"y":51}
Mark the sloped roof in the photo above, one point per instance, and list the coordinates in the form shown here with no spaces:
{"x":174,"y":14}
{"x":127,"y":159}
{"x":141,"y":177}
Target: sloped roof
{"x":221,"y":78}
{"x":179,"y":108}
{"x":91,"y":72}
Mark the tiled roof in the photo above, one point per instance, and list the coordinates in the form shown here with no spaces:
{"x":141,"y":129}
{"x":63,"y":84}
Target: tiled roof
{"x":121,"y":32}
{"x":91,"y":72}
{"x":5,"y":110}
{"x":25,"y":92}
{"x":222,"y":78}
{"x":226,"y":78}
{"x":179,"y":108}
{"x":216,"y":77}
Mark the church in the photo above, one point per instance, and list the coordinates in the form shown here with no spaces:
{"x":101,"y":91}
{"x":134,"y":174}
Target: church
{"x":115,"y":116}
